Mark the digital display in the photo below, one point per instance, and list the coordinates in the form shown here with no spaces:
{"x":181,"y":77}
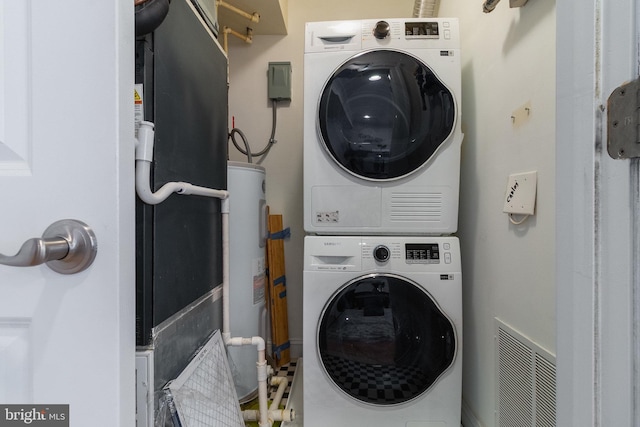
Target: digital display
{"x":421,"y":29}
{"x":422,"y":252}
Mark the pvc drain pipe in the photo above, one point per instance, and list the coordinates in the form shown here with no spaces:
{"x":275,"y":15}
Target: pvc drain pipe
{"x":144,"y":158}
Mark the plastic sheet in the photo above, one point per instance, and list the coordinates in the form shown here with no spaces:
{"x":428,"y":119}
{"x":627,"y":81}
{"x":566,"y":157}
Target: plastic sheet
{"x":166,"y":415}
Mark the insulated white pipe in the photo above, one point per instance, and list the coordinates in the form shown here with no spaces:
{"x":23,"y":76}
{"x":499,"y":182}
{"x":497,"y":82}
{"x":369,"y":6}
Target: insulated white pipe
{"x":248,"y":38}
{"x":144,"y":157}
{"x":263,"y":374}
{"x":263,"y":403}
{"x":275,"y":414}
{"x":253,"y":17}
{"x":282,"y":383}
{"x":226,"y":332}
{"x":261,"y":364}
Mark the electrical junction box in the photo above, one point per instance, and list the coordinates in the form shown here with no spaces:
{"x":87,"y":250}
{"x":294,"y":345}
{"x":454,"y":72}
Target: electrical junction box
{"x":520,"y":197}
{"x":279,"y":86}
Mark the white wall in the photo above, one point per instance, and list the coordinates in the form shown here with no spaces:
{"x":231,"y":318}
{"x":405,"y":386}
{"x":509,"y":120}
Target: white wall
{"x":508,"y":271}
{"x":508,"y":61}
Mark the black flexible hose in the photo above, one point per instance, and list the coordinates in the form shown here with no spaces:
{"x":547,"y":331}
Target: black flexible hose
{"x":247,"y":150}
{"x":149,"y":15}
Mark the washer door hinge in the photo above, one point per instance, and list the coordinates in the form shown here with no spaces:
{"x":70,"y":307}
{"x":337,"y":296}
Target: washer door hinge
{"x":623,"y":121}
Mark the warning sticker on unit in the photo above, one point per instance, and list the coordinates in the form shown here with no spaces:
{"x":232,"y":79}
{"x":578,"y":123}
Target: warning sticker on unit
{"x":331,"y":217}
{"x":138,"y":103}
{"x":259,"y":274}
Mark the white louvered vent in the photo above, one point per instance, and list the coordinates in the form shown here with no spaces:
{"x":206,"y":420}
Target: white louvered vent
{"x":545,"y":392}
{"x":416,"y":207}
{"x":526,"y":381}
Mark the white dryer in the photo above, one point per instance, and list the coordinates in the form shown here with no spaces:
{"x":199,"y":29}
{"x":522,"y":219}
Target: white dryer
{"x":382,"y":324}
{"x":382,"y":130}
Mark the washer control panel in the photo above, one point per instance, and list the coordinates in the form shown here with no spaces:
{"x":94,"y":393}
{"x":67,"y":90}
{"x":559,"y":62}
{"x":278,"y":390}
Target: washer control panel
{"x":409,"y":252}
{"x":422,"y":253}
{"x":437,"y":254}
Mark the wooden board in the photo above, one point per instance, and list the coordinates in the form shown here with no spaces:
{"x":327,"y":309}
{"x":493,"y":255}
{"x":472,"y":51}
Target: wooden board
{"x":276,"y":296}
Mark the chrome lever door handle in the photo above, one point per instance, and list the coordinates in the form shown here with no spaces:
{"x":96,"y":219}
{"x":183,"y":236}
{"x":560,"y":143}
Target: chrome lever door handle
{"x":37,"y":251}
{"x":68,"y":246}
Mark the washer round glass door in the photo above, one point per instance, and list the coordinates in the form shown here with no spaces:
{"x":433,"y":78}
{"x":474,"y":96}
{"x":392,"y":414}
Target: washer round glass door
{"x":383,"y":114}
{"x":384,"y":341}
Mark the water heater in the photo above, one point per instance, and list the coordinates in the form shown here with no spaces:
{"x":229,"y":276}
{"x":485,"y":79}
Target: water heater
{"x":247,"y":245}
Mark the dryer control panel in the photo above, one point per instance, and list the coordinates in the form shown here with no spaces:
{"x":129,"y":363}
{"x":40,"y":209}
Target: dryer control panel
{"x":425,"y":33}
{"x":392,"y":33}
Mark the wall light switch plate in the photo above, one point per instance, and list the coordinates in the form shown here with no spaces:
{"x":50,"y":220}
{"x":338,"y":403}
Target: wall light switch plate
{"x":520,"y":197}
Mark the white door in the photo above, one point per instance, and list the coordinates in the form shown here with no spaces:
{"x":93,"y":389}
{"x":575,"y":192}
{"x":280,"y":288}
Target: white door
{"x":66,"y":151}
{"x":598,"y":220}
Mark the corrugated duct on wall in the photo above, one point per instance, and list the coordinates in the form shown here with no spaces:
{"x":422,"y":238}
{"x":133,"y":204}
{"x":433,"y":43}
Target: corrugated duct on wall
{"x":489,"y":5}
{"x":426,"y":8}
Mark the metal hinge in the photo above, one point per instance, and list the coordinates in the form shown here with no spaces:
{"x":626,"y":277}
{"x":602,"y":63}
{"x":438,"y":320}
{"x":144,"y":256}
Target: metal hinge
{"x":623,"y":121}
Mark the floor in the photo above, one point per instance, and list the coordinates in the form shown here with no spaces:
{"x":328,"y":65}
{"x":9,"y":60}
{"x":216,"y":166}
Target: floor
{"x":288,"y":371}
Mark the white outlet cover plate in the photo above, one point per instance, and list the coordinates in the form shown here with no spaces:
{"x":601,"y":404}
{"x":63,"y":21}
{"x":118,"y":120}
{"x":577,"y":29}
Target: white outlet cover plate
{"x":520,"y":196}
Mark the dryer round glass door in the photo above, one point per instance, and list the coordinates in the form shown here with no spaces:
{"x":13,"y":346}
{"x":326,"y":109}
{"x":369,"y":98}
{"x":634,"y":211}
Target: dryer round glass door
{"x":383,"y":340}
{"x":383,"y":114}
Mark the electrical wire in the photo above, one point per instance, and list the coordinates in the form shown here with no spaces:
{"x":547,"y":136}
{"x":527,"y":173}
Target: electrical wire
{"x":514,"y":222}
{"x":247,"y":149}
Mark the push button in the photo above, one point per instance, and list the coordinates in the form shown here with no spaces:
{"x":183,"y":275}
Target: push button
{"x":447,"y":258}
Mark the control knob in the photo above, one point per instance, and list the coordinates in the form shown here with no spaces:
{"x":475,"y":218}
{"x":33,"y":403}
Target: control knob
{"x":381,"y":30}
{"x":381,"y":253}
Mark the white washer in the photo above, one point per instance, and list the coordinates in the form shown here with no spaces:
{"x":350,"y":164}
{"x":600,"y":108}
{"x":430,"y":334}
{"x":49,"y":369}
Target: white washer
{"x":382,"y":130}
{"x":382,"y":323}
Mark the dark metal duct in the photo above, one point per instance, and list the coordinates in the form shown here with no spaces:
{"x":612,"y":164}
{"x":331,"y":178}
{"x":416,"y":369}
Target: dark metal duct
{"x":149,"y":14}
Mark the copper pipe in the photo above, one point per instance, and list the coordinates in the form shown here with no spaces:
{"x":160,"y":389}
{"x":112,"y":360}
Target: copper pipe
{"x":253,"y":17}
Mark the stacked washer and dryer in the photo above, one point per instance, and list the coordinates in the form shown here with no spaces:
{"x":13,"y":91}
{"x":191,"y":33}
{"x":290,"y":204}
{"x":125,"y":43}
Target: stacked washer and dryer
{"x":382,"y":303}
